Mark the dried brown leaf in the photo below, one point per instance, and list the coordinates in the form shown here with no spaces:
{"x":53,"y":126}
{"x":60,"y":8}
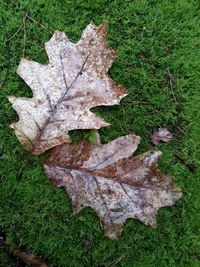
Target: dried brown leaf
{"x":74,"y":81}
{"x":116,"y":185}
{"x":163,"y":134}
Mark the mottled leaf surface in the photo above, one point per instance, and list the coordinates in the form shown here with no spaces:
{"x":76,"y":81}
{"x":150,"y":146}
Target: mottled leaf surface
{"x":74,"y":81}
{"x":163,"y":134}
{"x":116,"y":185}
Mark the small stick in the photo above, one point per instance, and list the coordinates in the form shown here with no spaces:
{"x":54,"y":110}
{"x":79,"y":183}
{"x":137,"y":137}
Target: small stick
{"x":21,"y":170}
{"x":124,"y":61}
{"x":113,"y":263}
{"x":135,"y":103}
{"x":125,"y":120}
{"x":191,"y":166}
{"x":24,"y":26}
{"x":15,"y":32}
{"x":29,"y":258}
{"x":37,"y":22}
{"x":187,"y":136}
{"x":27,"y":157}
{"x":170,"y":78}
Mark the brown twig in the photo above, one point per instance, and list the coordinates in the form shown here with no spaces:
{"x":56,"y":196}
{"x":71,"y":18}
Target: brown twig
{"x":170,"y":78}
{"x":135,"y":103}
{"x":29,"y":258}
{"x":28,"y":158}
{"x":124,"y":61}
{"x":21,"y":170}
{"x":191,"y":166}
{"x":120,"y":125}
{"x":15,"y":32}
{"x":116,"y":261}
{"x":37,"y":22}
{"x":187,"y":135}
{"x":124,"y":115}
{"x":24,"y":26}
{"x":33,"y":259}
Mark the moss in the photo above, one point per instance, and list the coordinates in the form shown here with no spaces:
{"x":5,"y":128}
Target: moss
{"x":158,"y":44}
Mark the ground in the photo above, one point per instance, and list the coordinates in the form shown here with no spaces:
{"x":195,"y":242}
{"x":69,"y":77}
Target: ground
{"x":158,"y":61}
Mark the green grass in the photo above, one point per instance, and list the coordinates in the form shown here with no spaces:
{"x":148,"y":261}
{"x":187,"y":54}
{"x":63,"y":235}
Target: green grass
{"x":154,"y":39}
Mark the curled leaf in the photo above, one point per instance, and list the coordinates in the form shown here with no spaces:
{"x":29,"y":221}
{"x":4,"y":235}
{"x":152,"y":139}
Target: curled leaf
{"x":163,"y":134}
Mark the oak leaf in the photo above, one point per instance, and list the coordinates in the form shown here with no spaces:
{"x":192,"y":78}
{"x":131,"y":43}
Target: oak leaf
{"x":74,"y":81}
{"x":116,"y":185}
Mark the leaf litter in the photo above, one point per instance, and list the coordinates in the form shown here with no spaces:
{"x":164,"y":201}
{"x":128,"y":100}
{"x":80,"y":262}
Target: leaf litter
{"x":103,"y":176}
